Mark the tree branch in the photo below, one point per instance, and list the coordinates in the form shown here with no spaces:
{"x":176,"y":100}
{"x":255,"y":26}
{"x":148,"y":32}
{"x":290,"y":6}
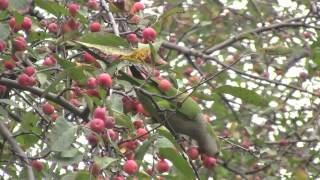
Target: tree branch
{"x":6,"y":134}
{"x":37,"y":91}
{"x":192,"y":52}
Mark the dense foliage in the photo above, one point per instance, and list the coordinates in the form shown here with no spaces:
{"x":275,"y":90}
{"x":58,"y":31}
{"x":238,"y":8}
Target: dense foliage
{"x":164,"y":89}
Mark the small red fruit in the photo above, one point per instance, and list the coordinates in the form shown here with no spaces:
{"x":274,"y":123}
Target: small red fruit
{"x":306,"y":34}
{"x":24,"y":80}
{"x":131,"y":145}
{"x":66,"y":28}
{"x":303,"y":76}
{"x":283,"y":142}
{"x":92,"y":139}
{"x":130,"y":167}
{"x":149,"y":34}
{"x":164,"y":85}
{"x":95,"y":169}
{"x":92,"y":82}
{"x":49,"y":61}
{"x":30,"y":70}
{"x":162,"y":166}
{"x":47,"y":108}
{"x":20,"y":43}
{"x":127,"y":104}
{"x":97,"y":125}
{"x":75,"y":102}
{"x":137,"y":6}
{"x":93,"y":92}
{"x":139,"y":108}
{"x":209,"y":162}
{"x":37,"y":165}
{"x":88,"y":58}
{"x":105,"y":80}
{"x":92,"y":4}
{"x":54,"y":116}
{"x":73,"y":9}
{"x":95,"y":27}
{"x":135,"y":19}
{"x":100,"y":113}
{"x":142,"y":133}
{"x":138,"y":123}
{"x":118,"y":178}
{"x":132,"y":38}
{"x":53,"y":28}
{"x":109,"y":122}
{"x":73,"y":23}
{"x":188,"y":71}
{"x":9,"y":64}
{"x":113,"y":135}
{"x":3,"y":89}
{"x":193,"y":153}
{"x":12,"y":23}
{"x":3,"y":46}
{"x":4,"y":4}
{"x":26,"y":23}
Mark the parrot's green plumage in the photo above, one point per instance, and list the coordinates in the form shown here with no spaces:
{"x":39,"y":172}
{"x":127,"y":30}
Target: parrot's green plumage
{"x":185,"y":118}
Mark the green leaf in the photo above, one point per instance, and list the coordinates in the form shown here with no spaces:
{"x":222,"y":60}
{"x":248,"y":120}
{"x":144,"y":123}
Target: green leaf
{"x":167,"y":136}
{"x":52,"y":85}
{"x":178,"y":161}
{"x":248,"y":96}
{"x":315,"y":52}
{"x":254,"y":10}
{"x":218,"y":107}
{"x":168,"y":13}
{"x":144,"y":148}
{"x":80,"y":175}
{"x":148,"y":104}
{"x":116,"y":103}
{"x":4,"y":31}
{"x":163,"y":142}
{"x":21,"y":6}
{"x":51,"y":7}
{"x":74,"y":71}
{"x":104,"y":39}
{"x":62,"y":135}
{"x":27,"y":140}
{"x":29,"y":121}
{"x":123,"y":120}
{"x":65,"y":161}
{"x":104,"y":162}
{"x":9,"y":102}
{"x":69,"y":153}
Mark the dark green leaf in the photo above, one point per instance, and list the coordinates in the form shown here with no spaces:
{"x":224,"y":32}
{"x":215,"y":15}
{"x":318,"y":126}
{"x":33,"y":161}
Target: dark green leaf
{"x":104,"y":162}
{"x":144,"y":148}
{"x":81,"y":175}
{"x":22,"y":6}
{"x":29,"y":121}
{"x":105,"y":39}
{"x":62,"y":135}
{"x":51,"y":7}
{"x":178,"y":161}
{"x":52,"y":85}
{"x":246,"y":95}
{"x":4,"y":31}
{"x":123,"y":120}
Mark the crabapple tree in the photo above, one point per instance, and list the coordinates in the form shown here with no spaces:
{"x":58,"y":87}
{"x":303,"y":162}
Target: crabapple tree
{"x":163,"y":89}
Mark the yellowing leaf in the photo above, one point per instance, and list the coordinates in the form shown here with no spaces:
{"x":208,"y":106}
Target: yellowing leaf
{"x":300,"y":174}
{"x":140,"y":55}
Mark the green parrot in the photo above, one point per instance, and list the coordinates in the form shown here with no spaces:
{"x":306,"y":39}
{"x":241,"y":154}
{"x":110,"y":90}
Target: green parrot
{"x":180,"y":115}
